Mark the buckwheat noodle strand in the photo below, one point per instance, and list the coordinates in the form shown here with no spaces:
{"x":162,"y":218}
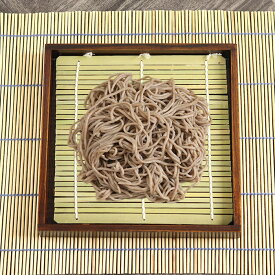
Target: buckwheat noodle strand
{"x":141,"y":139}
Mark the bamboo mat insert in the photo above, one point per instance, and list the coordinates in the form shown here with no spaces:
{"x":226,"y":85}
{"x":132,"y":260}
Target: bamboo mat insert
{"x":188,"y":71}
{"x":23,"y":251}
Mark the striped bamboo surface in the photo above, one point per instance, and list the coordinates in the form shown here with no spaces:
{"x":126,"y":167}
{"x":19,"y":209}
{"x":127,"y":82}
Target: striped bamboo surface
{"x":187,"y":71}
{"x":23,"y":251}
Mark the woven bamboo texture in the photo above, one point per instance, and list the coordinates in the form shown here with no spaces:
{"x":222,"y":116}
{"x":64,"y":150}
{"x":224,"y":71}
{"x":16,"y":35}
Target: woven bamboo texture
{"x":187,"y":71}
{"x":22,"y":40}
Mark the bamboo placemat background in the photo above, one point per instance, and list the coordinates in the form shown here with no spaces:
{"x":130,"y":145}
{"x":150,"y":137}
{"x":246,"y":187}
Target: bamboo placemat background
{"x":22,"y":39}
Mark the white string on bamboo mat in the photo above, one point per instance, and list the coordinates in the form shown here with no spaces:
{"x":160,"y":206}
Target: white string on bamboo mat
{"x":89,"y":54}
{"x":141,"y":56}
{"x":209,"y":136}
{"x":75,"y":156}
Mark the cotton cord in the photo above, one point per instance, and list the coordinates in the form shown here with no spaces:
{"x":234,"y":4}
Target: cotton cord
{"x":89,"y":54}
{"x":145,"y":55}
{"x":75,"y":154}
{"x":209,"y":136}
{"x":141,"y":139}
{"x":141,"y":56}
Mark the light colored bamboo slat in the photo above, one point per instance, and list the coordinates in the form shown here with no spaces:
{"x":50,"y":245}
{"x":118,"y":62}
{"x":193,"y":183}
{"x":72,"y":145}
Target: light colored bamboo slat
{"x":22,"y":40}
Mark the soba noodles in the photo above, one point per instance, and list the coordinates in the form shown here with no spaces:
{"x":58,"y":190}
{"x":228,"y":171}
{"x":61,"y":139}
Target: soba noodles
{"x":141,"y":139}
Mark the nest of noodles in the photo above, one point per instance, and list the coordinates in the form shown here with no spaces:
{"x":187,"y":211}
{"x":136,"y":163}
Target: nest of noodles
{"x":141,"y":139}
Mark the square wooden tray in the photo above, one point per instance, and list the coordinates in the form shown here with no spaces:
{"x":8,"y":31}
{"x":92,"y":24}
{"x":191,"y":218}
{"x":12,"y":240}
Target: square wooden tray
{"x":47,"y":167}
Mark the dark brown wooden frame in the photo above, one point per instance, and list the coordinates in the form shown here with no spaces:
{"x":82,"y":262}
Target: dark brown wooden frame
{"x":46,"y":188}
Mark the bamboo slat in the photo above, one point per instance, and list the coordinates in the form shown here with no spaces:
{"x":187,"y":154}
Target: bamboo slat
{"x":22,"y":40}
